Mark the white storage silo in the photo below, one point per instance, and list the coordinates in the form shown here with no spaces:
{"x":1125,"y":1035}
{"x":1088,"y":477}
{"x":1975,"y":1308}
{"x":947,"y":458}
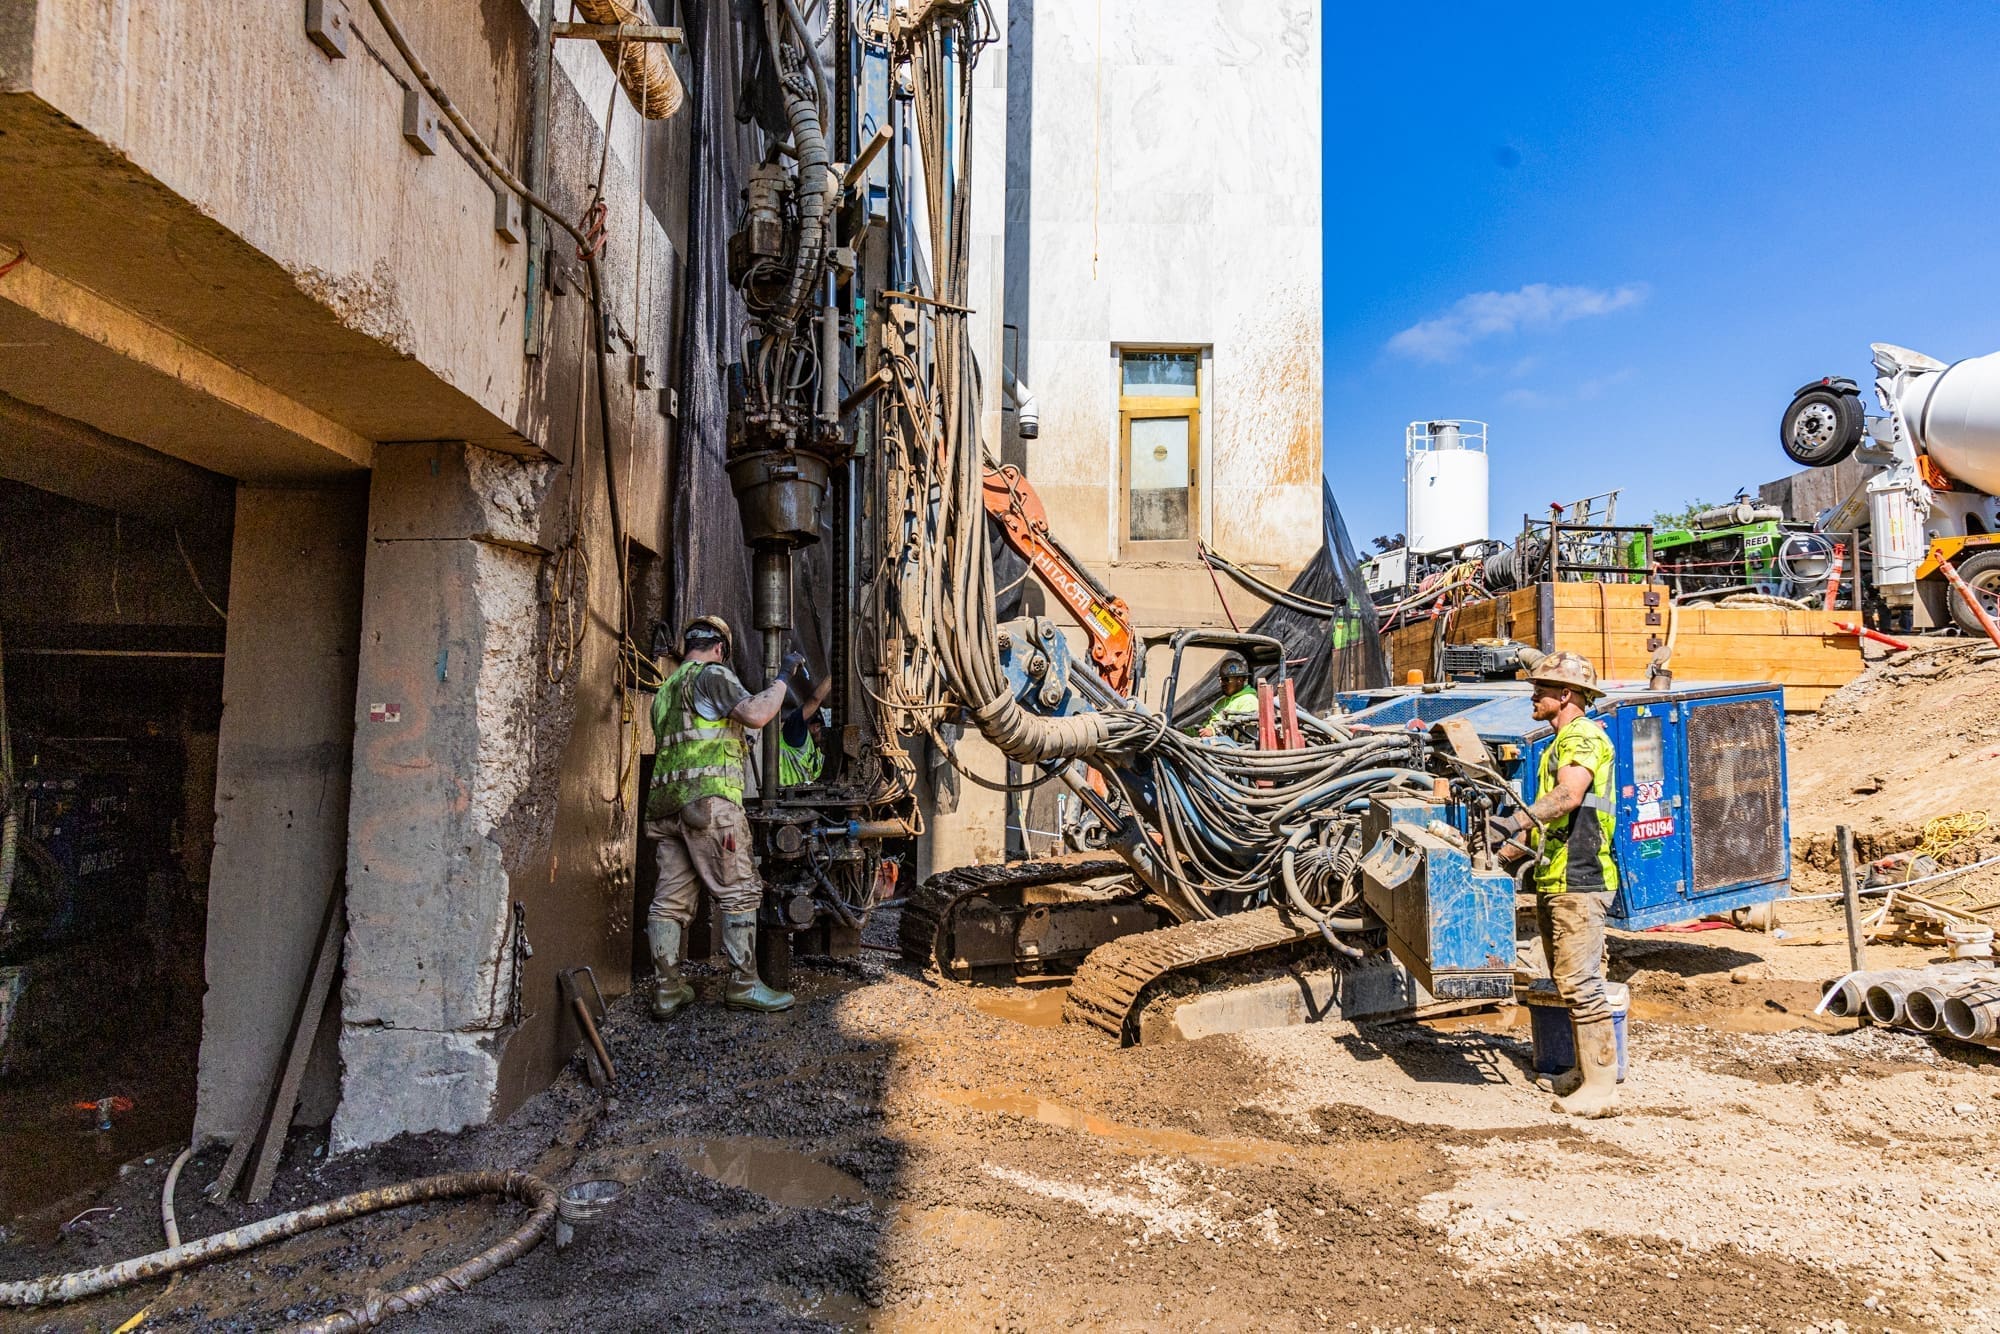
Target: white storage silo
{"x":1444,"y":478}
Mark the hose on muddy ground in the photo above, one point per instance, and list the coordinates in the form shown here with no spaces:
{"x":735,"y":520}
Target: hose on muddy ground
{"x":369,"y":1310}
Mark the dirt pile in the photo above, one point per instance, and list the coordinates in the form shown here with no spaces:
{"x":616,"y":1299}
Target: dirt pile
{"x":1914,"y":738}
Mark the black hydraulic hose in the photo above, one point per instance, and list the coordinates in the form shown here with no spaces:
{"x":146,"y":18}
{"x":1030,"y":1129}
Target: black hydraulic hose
{"x":1326,"y":923}
{"x":1271,"y":592}
{"x":372,"y":1310}
{"x":1384,"y":777}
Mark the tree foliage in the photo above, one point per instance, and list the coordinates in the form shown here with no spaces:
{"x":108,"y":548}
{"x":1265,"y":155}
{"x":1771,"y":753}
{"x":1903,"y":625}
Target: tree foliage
{"x":1684,"y":516}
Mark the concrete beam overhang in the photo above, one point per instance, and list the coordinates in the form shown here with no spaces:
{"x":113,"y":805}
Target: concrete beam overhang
{"x":74,"y":353}
{"x":138,"y":313}
{"x":62,"y":455}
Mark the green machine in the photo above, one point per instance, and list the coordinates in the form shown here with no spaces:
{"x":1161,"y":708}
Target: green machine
{"x":1739,"y":548}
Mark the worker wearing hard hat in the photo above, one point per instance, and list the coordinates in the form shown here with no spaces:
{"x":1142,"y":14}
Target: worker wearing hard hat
{"x":1574,"y":822}
{"x":1239,"y":697}
{"x":701,"y":718}
{"x":800,"y":757}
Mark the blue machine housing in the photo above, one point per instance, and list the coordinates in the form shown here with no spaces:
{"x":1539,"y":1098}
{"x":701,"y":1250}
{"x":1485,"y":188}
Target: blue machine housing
{"x":1451,"y":924}
{"x":1700,"y":784}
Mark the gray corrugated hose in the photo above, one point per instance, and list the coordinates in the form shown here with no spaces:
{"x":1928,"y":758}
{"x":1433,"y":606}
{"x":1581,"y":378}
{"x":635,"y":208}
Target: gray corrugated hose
{"x":55,"y":1289}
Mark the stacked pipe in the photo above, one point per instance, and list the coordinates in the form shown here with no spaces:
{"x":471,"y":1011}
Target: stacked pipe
{"x":1963,"y":1002}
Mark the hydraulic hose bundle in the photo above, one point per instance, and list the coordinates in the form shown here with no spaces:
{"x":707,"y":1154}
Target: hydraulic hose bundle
{"x":1230,"y":824}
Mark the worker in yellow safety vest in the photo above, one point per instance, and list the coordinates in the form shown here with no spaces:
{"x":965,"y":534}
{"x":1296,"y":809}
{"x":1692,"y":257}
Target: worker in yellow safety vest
{"x":800,"y":759}
{"x":1238,"y":699}
{"x":1574,"y":826}
{"x":701,"y":720}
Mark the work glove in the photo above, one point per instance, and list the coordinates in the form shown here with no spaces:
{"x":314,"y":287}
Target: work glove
{"x":795,"y":677}
{"x":1503,"y":833}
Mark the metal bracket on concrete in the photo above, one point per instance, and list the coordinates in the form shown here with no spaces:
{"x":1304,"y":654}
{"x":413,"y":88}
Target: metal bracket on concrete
{"x":328,"y":24}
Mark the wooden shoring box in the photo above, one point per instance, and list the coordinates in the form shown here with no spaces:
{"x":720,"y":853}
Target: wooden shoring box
{"x":1618,"y":626}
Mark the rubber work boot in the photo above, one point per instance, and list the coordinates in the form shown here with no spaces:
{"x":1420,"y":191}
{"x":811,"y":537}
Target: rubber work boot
{"x":746,"y":991}
{"x":1597,"y":1057}
{"x":670,"y":990}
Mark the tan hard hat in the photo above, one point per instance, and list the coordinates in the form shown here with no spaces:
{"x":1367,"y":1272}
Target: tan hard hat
{"x":1567,"y":669}
{"x":717,"y":624}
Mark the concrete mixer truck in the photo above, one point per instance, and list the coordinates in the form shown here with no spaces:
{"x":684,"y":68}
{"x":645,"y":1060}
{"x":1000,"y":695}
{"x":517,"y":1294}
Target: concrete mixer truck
{"x":1930,"y":487}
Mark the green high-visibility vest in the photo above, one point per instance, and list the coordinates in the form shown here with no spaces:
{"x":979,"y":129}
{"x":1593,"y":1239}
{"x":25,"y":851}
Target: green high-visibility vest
{"x":1239,"y":705}
{"x":694,"y":757}
{"x":799,"y":764}
{"x":1578,"y":848}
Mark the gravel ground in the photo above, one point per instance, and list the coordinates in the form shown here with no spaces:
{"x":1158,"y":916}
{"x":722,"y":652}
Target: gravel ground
{"x":892,"y":1155}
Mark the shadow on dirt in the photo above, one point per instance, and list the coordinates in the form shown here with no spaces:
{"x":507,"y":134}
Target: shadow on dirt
{"x":750,"y":1148}
{"x":1687,"y":956}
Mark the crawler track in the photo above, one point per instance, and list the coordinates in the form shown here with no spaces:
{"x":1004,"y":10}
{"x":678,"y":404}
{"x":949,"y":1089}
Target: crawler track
{"x":1109,"y":989}
{"x":926,"y":932}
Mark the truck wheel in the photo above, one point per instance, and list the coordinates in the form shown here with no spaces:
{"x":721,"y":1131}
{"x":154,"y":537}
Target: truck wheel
{"x":1822,"y":427}
{"x":1982,"y":575}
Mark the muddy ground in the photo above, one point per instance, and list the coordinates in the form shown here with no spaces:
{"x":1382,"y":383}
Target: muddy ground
{"x":899,"y":1153}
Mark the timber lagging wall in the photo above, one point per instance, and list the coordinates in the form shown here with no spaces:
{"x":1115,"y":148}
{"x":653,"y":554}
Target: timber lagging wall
{"x":1612,"y":626}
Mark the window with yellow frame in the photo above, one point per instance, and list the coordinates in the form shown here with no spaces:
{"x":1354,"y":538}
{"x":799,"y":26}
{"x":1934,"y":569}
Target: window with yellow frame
{"x":1159,"y":445}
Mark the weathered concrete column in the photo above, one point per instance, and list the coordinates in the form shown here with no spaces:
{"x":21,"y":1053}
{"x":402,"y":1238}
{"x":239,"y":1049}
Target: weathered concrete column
{"x":281,"y":777}
{"x":444,"y":746}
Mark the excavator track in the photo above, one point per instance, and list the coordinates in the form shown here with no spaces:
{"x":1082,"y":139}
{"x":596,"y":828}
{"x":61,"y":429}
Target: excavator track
{"x":1110,"y":987}
{"x":1024,"y":918}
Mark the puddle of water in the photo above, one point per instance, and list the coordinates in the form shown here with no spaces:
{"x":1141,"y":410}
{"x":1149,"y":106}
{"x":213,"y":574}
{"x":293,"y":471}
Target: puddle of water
{"x":834,"y":1308}
{"x":781,"y":1175}
{"x":1039,"y":1008}
{"x":49,"y":1149}
{"x":1129,"y":1138}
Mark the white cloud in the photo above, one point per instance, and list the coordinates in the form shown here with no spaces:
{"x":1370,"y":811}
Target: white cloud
{"x":1490,"y":314}
{"x":1583,"y":391}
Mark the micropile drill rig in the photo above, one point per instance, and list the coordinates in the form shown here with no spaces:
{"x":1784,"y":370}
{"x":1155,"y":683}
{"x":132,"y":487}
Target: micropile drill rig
{"x":855,"y":421}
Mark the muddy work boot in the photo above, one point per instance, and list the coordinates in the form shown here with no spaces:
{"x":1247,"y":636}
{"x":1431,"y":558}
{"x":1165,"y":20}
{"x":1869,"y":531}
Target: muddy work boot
{"x":670,"y":990}
{"x":1570,"y":1080}
{"x":1597,"y":1058}
{"x":746,"y":991}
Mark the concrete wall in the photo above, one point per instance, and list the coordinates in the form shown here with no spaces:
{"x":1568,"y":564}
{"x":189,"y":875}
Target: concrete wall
{"x":1163,"y":188}
{"x":234,"y":258}
{"x":479,"y":783}
{"x":281,"y":779}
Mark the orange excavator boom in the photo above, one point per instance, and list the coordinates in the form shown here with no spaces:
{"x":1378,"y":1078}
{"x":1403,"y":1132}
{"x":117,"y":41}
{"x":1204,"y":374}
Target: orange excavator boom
{"x":1012,"y":500}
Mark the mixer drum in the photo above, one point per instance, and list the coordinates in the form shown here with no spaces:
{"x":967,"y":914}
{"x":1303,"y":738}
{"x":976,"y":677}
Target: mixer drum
{"x":1954,"y":415}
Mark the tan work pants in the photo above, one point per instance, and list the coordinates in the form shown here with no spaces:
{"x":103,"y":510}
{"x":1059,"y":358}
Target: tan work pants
{"x":1572,"y":930}
{"x":707,"y":843}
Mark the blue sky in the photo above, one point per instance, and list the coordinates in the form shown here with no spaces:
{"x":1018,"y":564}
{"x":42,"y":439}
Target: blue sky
{"x":1623,"y":234}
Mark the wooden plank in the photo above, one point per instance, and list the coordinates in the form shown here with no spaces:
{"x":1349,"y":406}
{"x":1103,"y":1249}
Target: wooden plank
{"x":1697,"y":647}
{"x":1708,"y":621}
{"x":1807,"y":699}
{"x":305,"y":1026}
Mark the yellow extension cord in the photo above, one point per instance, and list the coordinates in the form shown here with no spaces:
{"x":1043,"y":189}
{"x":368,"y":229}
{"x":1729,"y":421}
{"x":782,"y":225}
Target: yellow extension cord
{"x":1946,"y":832}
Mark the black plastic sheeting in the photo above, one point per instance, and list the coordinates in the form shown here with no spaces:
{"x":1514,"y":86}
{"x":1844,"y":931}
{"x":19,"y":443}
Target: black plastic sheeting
{"x":729,"y":98}
{"x":1324,"y":655}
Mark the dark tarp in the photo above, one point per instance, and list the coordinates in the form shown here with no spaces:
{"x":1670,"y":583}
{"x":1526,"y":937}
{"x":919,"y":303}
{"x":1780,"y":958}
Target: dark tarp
{"x":1325,"y":654}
